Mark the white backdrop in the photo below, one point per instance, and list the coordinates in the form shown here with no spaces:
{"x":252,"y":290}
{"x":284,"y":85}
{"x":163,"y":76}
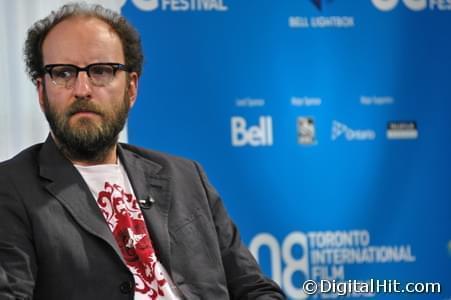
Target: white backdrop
{"x":21,"y":121}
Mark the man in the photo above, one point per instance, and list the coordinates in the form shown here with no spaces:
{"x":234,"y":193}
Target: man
{"x":83,"y":217}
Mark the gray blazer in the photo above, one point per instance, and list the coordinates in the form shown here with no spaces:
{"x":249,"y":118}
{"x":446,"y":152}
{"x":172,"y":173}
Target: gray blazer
{"x":55,"y":243}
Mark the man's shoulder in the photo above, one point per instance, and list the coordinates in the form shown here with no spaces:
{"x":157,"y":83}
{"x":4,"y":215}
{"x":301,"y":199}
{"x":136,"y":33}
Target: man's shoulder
{"x":25,"y":159}
{"x":164,"y":159}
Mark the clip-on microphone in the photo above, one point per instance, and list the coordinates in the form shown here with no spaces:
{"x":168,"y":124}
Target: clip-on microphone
{"x":146,"y":203}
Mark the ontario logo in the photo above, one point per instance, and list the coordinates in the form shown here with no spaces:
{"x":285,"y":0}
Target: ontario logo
{"x":339,"y":129}
{"x":180,"y":5}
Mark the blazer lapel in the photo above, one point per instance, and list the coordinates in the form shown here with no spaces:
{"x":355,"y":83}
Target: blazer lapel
{"x":67,"y":185}
{"x":154,"y":189}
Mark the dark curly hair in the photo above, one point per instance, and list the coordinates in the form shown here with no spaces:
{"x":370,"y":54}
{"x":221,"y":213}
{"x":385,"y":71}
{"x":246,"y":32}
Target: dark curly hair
{"x":131,"y":42}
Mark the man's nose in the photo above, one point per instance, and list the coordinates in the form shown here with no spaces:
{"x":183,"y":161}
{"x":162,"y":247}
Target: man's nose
{"x":82,"y":85}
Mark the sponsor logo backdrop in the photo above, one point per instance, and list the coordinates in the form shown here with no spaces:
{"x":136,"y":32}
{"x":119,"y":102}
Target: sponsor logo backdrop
{"x":325,"y":126}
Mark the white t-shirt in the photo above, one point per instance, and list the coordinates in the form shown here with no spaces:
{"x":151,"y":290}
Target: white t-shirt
{"x":114,"y":195}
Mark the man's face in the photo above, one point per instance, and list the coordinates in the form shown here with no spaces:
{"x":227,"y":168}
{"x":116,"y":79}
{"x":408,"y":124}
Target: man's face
{"x":85,"y":119}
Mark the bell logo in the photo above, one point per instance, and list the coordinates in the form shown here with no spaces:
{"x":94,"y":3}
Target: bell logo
{"x":255,"y":136}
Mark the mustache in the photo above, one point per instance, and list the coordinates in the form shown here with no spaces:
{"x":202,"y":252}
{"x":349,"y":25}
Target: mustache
{"x":83,"y":106}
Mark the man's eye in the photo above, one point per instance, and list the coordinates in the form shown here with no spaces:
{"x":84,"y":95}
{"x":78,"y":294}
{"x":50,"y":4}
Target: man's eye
{"x":101,"y":70}
{"x":63,"y":73}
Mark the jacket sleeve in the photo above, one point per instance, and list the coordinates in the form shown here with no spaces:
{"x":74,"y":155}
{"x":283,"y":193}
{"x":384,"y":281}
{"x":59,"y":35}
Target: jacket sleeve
{"x":17,"y":258}
{"x":245,"y":280}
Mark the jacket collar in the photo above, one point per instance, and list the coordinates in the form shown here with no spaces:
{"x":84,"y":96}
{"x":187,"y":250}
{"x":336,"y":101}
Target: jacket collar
{"x":67,"y":186}
{"x":151,"y":185}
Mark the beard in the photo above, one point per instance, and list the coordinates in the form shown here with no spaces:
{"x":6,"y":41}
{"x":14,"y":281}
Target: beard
{"x":86,"y":139}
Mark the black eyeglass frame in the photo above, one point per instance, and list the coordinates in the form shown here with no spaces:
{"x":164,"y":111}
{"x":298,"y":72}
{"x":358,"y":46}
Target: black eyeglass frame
{"x":116,"y":66}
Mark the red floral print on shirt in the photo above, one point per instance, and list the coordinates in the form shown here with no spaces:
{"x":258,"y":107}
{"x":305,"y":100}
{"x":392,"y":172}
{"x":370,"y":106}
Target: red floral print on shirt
{"x":125,"y":219}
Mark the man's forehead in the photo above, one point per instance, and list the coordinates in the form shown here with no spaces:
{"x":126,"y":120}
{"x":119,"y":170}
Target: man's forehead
{"x":82,"y":37}
{"x":81,"y":25}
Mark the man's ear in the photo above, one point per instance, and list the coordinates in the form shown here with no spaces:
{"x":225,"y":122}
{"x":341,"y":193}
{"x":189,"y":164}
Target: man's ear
{"x":132,"y":90}
{"x":41,"y":91}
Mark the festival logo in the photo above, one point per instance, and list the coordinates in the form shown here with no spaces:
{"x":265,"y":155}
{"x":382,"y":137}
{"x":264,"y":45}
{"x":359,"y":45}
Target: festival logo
{"x":180,"y":5}
{"x":413,"y":5}
{"x":324,"y":255}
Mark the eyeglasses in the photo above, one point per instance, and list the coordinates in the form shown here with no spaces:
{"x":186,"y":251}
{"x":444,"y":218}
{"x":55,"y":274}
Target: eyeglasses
{"x":100,"y":74}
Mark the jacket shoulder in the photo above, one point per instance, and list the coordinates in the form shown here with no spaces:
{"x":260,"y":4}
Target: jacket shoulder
{"x":169,"y":164}
{"x":25,"y":159}
{"x":161,"y":158}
